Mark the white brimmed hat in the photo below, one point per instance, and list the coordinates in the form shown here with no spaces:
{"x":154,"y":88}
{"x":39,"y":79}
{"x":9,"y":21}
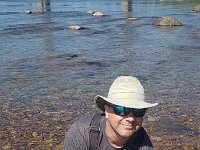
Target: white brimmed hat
{"x":125,"y":91}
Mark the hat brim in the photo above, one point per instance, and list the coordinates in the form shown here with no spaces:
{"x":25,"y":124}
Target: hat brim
{"x":101,"y":101}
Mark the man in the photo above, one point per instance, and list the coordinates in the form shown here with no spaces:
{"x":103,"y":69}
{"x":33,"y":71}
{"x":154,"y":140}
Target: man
{"x":120,"y":127}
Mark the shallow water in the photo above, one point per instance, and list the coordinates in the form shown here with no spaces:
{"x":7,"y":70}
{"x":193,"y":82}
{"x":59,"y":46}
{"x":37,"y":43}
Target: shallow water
{"x":49,"y":75}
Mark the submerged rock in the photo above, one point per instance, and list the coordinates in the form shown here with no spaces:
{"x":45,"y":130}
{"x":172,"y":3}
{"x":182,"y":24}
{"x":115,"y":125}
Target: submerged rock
{"x":153,"y":119}
{"x":167,"y":21}
{"x":156,"y":138}
{"x":196,"y":8}
{"x":5,"y":147}
{"x":132,"y":19}
{"x":34,"y":134}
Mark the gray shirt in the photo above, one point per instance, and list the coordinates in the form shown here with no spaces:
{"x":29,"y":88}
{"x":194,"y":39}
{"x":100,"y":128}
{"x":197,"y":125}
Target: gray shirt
{"x":77,"y":137}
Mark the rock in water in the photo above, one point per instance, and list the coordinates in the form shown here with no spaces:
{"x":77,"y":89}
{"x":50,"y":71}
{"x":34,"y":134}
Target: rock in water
{"x":167,"y":21}
{"x":132,"y":19}
{"x":97,"y":14}
{"x":74,"y":27}
{"x":28,"y":12}
{"x":196,"y":8}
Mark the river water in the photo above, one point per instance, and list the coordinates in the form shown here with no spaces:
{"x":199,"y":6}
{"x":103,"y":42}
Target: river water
{"x":49,"y":74}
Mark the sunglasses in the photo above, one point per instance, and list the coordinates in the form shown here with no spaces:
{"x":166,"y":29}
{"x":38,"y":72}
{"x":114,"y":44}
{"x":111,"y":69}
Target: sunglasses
{"x":124,"y":111}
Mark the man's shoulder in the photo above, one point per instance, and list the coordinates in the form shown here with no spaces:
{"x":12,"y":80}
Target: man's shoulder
{"x":146,"y":139}
{"x":83,"y":123}
{"x":86,"y":119}
{"x":78,"y":134}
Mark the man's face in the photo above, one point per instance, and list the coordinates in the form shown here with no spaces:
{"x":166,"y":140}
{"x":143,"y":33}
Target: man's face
{"x":121,"y":126}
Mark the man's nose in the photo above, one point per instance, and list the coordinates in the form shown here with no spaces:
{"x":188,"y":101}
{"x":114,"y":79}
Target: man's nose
{"x":130,"y":117}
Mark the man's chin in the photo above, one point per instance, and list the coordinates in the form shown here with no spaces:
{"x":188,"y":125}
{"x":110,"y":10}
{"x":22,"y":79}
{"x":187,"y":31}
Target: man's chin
{"x":128,"y":133}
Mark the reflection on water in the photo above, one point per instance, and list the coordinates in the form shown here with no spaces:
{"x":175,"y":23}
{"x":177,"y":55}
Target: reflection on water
{"x":127,"y":5}
{"x":43,"y":5}
{"x":46,"y":42}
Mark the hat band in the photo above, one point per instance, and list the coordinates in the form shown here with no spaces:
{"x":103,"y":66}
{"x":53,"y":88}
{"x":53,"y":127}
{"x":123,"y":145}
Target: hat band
{"x":124,"y":95}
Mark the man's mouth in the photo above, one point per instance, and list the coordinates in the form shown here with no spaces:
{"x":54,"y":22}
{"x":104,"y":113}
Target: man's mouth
{"x":128,"y":126}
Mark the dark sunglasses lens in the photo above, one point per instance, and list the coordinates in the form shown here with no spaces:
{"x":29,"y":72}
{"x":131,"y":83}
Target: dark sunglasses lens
{"x":122,"y":111}
{"x":139,"y":112}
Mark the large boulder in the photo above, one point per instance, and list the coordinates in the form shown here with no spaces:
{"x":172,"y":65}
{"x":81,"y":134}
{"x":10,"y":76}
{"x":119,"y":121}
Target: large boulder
{"x":196,"y":8}
{"x":167,"y":21}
